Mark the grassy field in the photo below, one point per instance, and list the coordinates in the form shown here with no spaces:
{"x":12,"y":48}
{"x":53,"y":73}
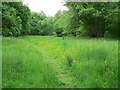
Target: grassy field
{"x":56,"y":62}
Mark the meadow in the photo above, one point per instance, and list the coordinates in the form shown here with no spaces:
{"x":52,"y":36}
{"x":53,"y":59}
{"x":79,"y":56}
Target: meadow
{"x":57,"y":62}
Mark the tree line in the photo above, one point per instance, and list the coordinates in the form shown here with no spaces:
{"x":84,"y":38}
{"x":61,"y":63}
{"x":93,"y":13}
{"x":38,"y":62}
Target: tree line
{"x":84,"y":19}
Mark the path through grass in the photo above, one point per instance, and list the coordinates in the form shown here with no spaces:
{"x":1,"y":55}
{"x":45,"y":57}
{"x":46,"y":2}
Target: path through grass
{"x":58,"y":62}
{"x":25,"y":67}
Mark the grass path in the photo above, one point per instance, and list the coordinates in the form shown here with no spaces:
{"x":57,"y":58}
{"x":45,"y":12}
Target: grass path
{"x":65,"y":80}
{"x":44,"y":62}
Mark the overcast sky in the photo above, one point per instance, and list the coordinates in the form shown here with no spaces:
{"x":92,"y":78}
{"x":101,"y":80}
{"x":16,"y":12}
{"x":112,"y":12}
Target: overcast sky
{"x":49,"y":7}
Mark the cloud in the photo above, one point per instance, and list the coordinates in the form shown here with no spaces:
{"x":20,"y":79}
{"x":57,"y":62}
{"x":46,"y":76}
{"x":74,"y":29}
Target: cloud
{"x":49,"y":7}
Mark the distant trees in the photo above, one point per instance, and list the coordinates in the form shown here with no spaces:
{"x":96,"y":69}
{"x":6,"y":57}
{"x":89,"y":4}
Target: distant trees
{"x":46,"y":26}
{"x":40,"y":24}
{"x":18,"y":20}
{"x":35,"y":18}
{"x":62,"y":22}
{"x":82,"y":19}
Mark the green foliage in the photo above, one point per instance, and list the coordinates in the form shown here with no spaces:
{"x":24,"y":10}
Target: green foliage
{"x":83,"y":19}
{"x":46,"y":26}
{"x":11,"y":22}
{"x":61,"y":22}
{"x":114,"y":21}
{"x":35,"y":18}
{"x":95,"y":17}
{"x":40,"y":24}
{"x":24,"y":13}
{"x":15,"y":18}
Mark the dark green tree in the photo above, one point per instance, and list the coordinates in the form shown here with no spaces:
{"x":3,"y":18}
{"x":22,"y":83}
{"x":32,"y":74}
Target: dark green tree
{"x":94,"y":17}
{"x":15,"y":18}
{"x":11,"y":23}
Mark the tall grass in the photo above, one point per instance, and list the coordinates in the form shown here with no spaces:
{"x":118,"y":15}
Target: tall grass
{"x":96,"y":65}
{"x":25,"y":67}
{"x":91,"y":63}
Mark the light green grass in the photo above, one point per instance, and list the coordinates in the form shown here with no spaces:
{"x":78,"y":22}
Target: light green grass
{"x":25,"y":67}
{"x":80,"y":63}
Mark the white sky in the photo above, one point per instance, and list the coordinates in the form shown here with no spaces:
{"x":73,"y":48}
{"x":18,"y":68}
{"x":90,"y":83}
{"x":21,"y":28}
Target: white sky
{"x":49,"y":7}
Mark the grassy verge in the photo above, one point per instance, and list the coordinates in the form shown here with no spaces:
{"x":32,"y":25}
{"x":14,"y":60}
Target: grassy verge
{"x":25,"y":67}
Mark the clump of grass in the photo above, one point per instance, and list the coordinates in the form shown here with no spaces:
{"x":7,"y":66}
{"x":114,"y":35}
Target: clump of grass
{"x":69,"y":60}
{"x":96,"y":65}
